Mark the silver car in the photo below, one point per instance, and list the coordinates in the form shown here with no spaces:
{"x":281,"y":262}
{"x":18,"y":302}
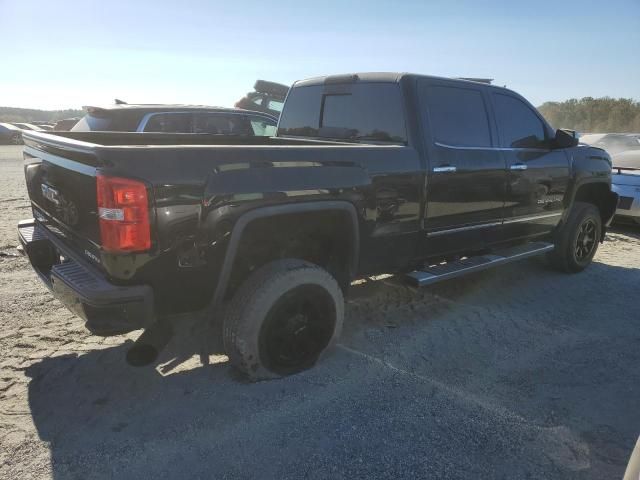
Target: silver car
{"x":626,"y":183}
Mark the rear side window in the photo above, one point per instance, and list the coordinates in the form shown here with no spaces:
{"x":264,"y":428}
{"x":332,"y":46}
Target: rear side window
{"x":221,"y":124}
{"x":169,"y":123}
{"x":369,"y":112}
{"x":457,"y":116}
{"x":518,"y":125}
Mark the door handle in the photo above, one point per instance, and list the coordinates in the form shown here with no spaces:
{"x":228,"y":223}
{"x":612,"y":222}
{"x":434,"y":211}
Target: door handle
{"x":518,"y":166}
{"x":444,"y":169}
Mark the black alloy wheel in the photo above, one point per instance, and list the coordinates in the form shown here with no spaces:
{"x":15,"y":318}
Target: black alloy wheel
{"x":297,"y":329}
{"x":586,"y":240}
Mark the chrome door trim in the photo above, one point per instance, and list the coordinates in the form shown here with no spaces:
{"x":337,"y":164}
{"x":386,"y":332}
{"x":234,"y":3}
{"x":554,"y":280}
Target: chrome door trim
{"x":518,"y":166}
{"x":533,"y":217}
{"x":445,"y":169}
{"x":498,"y":149}
{"x":463,"y":229}
{"x":493,"y":224}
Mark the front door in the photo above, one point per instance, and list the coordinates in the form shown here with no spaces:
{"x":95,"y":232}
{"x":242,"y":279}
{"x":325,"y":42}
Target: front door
{"x":466,"y":174}
{"x":538,"y":175}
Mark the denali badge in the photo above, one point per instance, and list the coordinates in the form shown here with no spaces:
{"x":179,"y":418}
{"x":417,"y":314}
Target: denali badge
{"x":92,"y":256}
{"x":50,"y":193}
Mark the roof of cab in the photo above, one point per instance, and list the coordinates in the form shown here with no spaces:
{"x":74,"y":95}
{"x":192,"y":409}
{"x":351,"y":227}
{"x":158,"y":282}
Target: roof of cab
{"x":383,"y":77}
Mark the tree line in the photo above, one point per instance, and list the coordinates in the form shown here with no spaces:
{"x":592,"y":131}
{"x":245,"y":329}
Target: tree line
{"x":11,"y":114}
{"x":596,"y":115}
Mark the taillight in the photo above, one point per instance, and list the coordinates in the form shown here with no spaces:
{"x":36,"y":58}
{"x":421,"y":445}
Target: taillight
{"x":123,"y":210}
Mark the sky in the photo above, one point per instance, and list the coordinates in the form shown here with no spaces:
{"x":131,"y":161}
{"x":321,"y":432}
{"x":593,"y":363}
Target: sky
{"x":68,"y":53}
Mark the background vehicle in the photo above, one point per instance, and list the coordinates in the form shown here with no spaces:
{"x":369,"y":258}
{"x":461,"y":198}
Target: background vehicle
{"x":26,"y":126}
{"x":369,"y":173}
{"x":10,"y":134}
{"x":626,"y":183}
{"x":66,"y":124}
{"x":268,"y":97}
{"x":176,"y":119}
{"x":613,"y":142}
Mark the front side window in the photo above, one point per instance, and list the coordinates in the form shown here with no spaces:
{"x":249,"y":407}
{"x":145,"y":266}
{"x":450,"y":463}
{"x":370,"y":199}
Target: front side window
{"x":169,"y":123}
{"x":457,"y":116}
{"x":518,"y":126}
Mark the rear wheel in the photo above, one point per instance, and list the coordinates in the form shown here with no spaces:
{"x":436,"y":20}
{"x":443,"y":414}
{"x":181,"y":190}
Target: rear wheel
{"x":577,"y":241}
{"x":282,"y":319}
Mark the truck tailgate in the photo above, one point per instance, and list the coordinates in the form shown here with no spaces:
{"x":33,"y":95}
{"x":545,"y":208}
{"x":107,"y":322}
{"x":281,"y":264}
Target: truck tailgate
{"x":61,"y":181}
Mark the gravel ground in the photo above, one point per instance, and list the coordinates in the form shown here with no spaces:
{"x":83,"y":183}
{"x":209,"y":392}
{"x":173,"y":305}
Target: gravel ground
{"x":517,"y":372}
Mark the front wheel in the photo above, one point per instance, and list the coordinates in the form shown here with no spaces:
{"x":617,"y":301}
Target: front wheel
{"x":282,"y":319}
{"x":577,"y":241}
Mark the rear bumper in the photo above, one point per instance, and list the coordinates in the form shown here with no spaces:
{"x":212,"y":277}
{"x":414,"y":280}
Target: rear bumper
{"x":107,"y":309}
{"x":629,"y":200}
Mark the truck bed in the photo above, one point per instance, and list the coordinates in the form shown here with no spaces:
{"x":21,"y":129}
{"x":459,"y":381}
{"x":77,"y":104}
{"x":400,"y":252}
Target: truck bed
{"x":151,"y":139}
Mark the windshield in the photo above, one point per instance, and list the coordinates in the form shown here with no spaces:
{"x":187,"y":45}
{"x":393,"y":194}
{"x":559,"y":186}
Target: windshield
{"x":368,"y":112}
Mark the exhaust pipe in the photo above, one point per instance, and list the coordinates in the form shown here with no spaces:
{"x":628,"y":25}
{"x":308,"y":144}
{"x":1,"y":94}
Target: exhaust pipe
{"x":148,"y":346}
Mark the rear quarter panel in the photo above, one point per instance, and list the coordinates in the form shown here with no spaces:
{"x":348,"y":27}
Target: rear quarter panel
{"x":201,"y":191}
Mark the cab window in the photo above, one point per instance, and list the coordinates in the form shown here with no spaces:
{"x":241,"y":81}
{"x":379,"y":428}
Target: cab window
{"x":518,"y":125}
{"x":457,"y":116}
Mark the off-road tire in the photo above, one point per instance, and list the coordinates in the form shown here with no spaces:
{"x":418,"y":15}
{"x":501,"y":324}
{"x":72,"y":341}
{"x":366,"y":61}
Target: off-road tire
{"x":258,"y":307}
{"x":564,"y":256}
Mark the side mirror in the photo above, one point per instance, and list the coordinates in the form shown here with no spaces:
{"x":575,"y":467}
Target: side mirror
{"x":565,"y":138}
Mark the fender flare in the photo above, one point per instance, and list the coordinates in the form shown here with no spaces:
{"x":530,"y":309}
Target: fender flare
{"x":612,"y":200}
{"x":276,"y":210}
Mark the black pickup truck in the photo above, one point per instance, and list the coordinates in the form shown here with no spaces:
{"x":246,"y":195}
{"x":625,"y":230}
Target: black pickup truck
{"x":375,"y":173}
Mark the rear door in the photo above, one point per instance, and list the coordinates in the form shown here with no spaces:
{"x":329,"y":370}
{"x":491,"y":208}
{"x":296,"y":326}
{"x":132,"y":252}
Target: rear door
{"x":466,"y":174}
{"x":538,"y":176}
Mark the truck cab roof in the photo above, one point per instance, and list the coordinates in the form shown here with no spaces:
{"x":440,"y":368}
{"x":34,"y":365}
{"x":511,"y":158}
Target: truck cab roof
{"x":389,"y":77}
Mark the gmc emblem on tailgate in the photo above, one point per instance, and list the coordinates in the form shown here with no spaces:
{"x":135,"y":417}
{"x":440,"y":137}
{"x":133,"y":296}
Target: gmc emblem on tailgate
{"x":50,"y":193}
{"x":65,"y":209}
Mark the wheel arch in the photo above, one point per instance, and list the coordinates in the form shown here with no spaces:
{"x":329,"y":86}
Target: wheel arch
{"x":279,"y":211}
{"x":599,"y":194}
